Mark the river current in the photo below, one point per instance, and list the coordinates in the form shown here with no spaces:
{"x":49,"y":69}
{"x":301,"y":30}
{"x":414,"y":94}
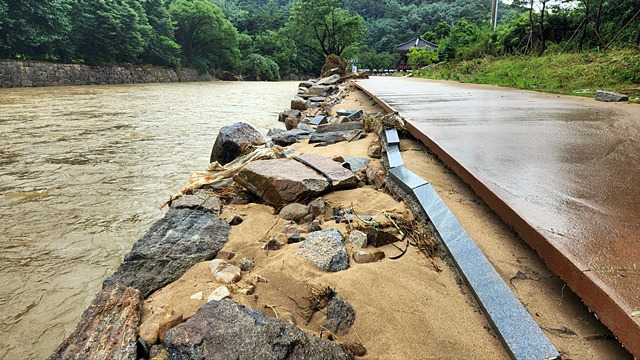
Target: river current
{"x":83,"y":170}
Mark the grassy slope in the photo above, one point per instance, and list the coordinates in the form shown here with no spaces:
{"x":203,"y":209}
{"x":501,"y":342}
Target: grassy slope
{"x":577,"y":74}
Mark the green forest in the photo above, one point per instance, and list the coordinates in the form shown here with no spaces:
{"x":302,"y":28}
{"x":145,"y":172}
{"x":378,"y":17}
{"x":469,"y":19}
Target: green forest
{"x":265,"y":39}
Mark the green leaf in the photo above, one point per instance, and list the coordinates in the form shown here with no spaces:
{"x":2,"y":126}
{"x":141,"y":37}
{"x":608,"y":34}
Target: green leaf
{"x":636,"y":313}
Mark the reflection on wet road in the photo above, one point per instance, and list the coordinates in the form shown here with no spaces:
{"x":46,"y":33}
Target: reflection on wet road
{"x":568,"y":166}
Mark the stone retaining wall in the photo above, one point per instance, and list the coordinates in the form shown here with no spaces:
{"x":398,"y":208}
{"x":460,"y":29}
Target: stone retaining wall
{"x":28,"y":74}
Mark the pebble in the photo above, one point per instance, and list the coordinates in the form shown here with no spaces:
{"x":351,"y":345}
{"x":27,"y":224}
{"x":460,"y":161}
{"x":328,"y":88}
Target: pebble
{"x":220,"y":293}
{"x":196,"y":296}
{"x":224,"y":272}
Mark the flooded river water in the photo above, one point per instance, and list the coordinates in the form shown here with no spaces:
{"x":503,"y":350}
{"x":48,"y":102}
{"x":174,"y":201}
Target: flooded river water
{"x":82,"y":173}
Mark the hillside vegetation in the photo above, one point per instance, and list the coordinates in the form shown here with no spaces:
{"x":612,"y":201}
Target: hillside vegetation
{"x":266,"y":39}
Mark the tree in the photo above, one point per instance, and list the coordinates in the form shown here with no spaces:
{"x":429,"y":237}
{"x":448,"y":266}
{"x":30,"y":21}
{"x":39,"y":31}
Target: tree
{"x":323,"y":27}
{"x":34,"y":29}
{"x":109,"y":31}
{"x":161,"y":48}
{"x":257,"y":67}
{"x":209,"y":41}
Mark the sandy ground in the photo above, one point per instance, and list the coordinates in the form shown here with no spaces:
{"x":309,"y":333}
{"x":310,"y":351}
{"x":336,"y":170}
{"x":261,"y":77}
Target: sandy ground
{"x":405,"y":308}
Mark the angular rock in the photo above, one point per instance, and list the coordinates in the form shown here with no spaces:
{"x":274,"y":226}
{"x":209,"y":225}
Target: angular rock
{"x":148,"y":331}
{"x":274,"y":131}
{"x":375,"y":151}
{"x":318,"y":120}
{"x":330,"y":80}
{"x":327,"y":138}
{"x":340,"y":177}
{"x":210,"y":203}
{"x":224,"y":272}
{"x":305,"y":127}
{"x":314,"y":226}
{"x":317,"y":207}
{"x":288,"y":113}
{"x":348,"y":126}
{"x":358,"y":238}
{"x":610,"y":96}
{"x":294,"y":238}
{"x":173,"y":244}
{"x":340,"y":316}
{"x":287,"y":138}
{"x":221,"y":292}
{"x":357,"y":163}
{"x":169,"y":321}
{"x":320,"y":90}
{"x":375,"y":177}
{"x":281,"y":181}
{"x":291,"y":123}
{"x":227,"y":330}
{"x":298,"y":103}
{"x":108,"y":328}
{"x":306,"y":84}
{"x":232,"y":140}
{"x":246,"y":264}
{"x":325,"y":249}
{"x":294,"y":211}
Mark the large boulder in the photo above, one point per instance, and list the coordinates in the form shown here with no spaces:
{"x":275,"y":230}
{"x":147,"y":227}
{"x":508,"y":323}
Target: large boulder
{"x":326,"y":249}
{"x":282,"y":181}
{"x":108,"y":328}
{"x":226,"y":330}
{"x":173,"y":244}
{"x":233,"y":140}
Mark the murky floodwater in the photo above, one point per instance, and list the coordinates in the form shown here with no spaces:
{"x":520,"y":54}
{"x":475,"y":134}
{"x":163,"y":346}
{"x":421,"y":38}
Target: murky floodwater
{"x":82,"y":172}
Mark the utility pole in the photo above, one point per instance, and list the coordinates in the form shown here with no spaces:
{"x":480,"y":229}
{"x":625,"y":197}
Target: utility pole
{"x":494,"y":14}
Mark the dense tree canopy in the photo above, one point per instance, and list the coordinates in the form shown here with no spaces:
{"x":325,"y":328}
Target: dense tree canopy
{"x":256,"y":36}
{"x":208,"y":40}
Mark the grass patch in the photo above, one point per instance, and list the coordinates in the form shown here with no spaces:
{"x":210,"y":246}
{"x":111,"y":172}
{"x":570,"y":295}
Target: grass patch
{"x":574,"y":74}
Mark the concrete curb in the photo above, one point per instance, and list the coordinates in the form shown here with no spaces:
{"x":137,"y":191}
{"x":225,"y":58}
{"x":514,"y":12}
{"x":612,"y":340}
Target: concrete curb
{"x":520,"y":334}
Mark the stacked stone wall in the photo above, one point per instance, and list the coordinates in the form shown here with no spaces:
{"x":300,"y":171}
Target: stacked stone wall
{"x":29,"y":74}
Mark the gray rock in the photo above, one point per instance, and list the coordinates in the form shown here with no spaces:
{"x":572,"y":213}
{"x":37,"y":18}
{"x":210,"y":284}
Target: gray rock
{"x":357,"y":163}
{"x":341,"y":178}
{"x":108,"y":328}
{"x":610,"y":96}
{"x":327,"y":138}
{"x":294,"y":212}
{"x":329,"y":80}
{"x":320,"y":90}
{"x":299,"y":103}
{"x":348,"y":126}
{"x":318,"y":120}
{"x":210,"y":203}
{"x":314,"y":226}
{"x":233,"y":140}
{"x":305,"y":127}
{"x":293,"y":136}
{"x":305,"y":84}
{"x":358,"y":238}
{"x":325,"y":249}
{"x":317,"y":207}
{"x":274,"y":131}
{"x":173,"y":244}
{"x":340,"y":316}
{"x":226,"y":330}
{"x":281,"y":181}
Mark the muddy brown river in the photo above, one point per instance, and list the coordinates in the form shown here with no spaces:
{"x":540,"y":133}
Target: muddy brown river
{"x":83,"y":170}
